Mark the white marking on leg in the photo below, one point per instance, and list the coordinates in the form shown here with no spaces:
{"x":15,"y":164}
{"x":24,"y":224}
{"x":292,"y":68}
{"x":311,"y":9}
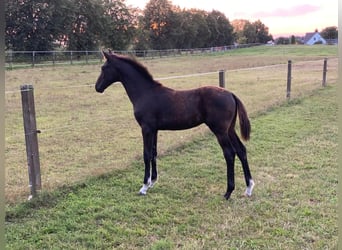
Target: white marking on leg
{"x":249,"y":189}
{"x":143,"y":190}
{"x":152,"y":183}
{"x":145,"y":187}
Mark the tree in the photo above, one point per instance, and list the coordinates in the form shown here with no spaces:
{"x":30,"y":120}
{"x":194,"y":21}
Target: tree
{"x":142,"y":37}
{"x":157,"y":20}
{"x":201,"y":26}
{"x":62,"y":16}
{"x":221,"y":32}
{"x":29,"y":25}
{"x":75,"y":24}
{"x":42,"y":25}
{"x":83,"y":30}
{"x":330,"y":33}
{"x":238,"y":26}
{"x":261,"y":30}
{"x":118,"y":25}
{"x":189,"y":29}
{"x":170,"y":27}
{"x":97,"y":23}
{"x":282,"y":40}
{"x":247,"y":32}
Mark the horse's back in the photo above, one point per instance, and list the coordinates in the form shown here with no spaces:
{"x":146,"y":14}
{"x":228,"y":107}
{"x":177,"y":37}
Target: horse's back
{"x":217,"y":98}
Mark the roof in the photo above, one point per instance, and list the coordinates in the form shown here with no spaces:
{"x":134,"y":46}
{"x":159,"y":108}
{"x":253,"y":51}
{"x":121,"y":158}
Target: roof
{"x":310,"y":35}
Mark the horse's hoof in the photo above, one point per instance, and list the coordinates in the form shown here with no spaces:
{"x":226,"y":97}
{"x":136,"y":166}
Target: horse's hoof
{"x":249,"y":189}
{"x":227,"y":196}
{"x":143,"y":190}
{"x":142,"y":193}
{"x":247,"y":194}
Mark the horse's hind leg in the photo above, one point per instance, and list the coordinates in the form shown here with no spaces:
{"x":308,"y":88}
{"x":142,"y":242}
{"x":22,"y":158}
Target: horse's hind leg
{"x":241,"y":152}
{"x":229,"y":155}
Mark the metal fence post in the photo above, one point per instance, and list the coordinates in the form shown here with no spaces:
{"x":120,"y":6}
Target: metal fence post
{"x":33,"y":58}
{"x":30,"y":128}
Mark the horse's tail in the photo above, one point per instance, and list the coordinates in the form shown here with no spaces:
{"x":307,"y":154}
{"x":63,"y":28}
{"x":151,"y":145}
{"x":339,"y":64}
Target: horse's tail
{"x":245,"y":125}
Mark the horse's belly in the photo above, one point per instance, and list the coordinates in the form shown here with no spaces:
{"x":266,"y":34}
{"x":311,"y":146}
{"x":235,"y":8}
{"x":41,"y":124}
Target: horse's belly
{"x":179,"y":123}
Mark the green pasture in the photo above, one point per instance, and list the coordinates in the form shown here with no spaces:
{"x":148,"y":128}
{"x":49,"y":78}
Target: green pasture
{"x":91,"y":159}
{"x":293,"y":156}
{"x":84,"y":133}
{"x":88,"y":134}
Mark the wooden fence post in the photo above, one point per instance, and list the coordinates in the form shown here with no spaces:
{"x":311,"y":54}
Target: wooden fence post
{"x":289,"y":76}
{"x":222,"y":79}
{"x":30,"y":128}
{"x":324,"y":81}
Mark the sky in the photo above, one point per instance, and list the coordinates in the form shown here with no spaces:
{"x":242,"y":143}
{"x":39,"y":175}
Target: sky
{"x":283,"y":18}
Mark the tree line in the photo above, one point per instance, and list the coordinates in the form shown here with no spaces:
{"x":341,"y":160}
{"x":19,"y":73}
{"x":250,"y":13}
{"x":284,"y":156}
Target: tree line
{"x":43,"y":25}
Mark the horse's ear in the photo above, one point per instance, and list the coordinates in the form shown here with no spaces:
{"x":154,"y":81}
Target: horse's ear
{"x":106,"y":55}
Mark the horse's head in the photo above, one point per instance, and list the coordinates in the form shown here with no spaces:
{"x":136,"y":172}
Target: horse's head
{"x":109,"y":74}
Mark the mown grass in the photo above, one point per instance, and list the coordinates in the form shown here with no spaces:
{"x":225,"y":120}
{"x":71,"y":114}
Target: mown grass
{"x":293,"y":158}
{"x":87,"y":134}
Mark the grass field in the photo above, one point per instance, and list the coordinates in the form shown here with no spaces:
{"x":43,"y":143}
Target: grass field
{"x":293,"y":156}
{"x":90,"y":153}
{"x":87,"y":134}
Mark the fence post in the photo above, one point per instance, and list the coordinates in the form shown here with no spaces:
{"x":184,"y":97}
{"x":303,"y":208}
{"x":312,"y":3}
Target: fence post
{"x":30,"y":128}
{"x":221,"y":79}
{"x":11,"y":59}
{"x":289,"y":76}
{"x":53,"y":57}
{"x":101,"y":56}
{"x":33,"y":58}
{"x":324,"y":81}
{"x":70,"y":57}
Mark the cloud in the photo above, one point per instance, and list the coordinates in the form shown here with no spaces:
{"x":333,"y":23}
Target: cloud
{"x":298,"y":10}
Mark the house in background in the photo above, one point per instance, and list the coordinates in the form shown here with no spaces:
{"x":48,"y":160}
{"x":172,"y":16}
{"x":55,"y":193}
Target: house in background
{"x":314,"y":38}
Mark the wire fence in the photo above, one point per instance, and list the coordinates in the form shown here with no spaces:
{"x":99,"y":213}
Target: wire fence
{"x":85,"y":134}
{"x":21,"y":59}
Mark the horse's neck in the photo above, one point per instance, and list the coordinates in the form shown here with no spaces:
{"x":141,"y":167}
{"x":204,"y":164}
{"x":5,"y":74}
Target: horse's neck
{"x":136,"y":81}
{"x":135,"y":85}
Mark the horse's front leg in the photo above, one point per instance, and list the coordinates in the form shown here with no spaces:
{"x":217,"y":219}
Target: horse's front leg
{"x":154,"y":161}
{"x":148,"y":138}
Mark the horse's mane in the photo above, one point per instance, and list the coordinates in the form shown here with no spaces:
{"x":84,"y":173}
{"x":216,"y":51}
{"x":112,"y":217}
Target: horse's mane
{"x":138,"y":66}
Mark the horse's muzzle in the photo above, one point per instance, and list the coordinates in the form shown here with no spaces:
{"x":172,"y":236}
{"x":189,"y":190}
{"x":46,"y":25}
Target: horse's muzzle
{"x":98,"y":89}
